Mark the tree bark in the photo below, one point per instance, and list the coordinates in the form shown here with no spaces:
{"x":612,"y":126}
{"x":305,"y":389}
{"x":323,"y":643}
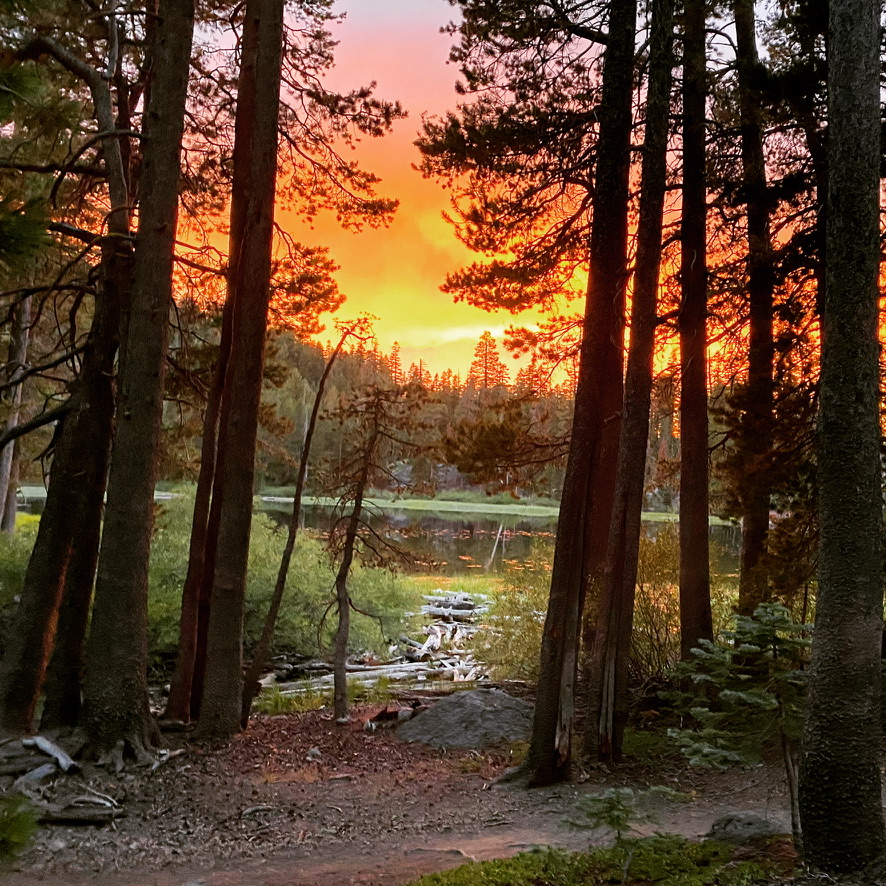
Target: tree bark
{"x":590,"y":470}
{"x":695,"y":581}
{"x":755,"y":430}
{"x":608,"y":668}
{"x":64,"y":678}
{"x":115,"y":688}
{"x":840,"y":803}
{"x":183,"y":701}
{"x":260,"y":83}
{"x":342,"y":597}
{"x":79,"y":467}
{"x":17,"y":357}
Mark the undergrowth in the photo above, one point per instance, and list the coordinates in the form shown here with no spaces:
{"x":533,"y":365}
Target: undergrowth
{"x":304,"y":627}
{"x":663,"y":859}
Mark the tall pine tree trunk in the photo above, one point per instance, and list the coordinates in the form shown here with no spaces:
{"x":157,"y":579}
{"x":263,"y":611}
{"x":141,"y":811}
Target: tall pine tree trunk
{"x":590,"y":469}
{"x":608,"y":667}
{"x":77,"y":476}
{"x":82,"y":437}
{"x":695,"y":580}
{"x":840,"y":803}
{"x":260,"y":85}
{"x":755,"y":433}
{"x":183,"y":702}
{"x":115,"y":690}
{"x":17,"y":357}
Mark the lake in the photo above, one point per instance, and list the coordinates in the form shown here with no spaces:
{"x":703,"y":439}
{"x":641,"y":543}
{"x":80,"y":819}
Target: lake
{"x":460,"y":541}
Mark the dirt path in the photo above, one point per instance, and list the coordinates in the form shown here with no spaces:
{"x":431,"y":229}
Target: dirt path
{"x":298,"y":801}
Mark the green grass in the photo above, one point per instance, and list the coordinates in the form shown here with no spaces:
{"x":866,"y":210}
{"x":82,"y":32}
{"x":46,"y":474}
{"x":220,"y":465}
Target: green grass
{"x":449,"y":506}
{"x":664,"y":860}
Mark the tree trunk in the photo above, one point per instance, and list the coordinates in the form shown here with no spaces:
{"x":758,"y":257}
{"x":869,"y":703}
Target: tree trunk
{"x":608,"y":670}
{"x":259,"y":84}
{"x":115,"y":690}
{"x":250,"y":682}
{"x":78,"y":473}
{"x":17,"y":357}
{"x":183,"y":701}
{"x":695,"y":580}
{"x":590,"y":469}
{"x":64,"y":679}
{"x":755,"y":432}
{"x":840,"y":803}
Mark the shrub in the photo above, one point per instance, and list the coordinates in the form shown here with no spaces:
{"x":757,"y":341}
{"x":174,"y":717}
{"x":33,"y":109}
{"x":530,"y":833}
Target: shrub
{"x":17,"y":825}
{"x":380,"y":593}
{"x":510,"y":641}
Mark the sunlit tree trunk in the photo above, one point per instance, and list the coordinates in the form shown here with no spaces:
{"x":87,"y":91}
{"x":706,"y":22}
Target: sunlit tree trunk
{"x":259,"y":84}
{"x":608,"y":666}
{"x":840,"y":802}
{"x":695,"y":580}
{"x":590,"y":471}
{"x":115,"y":710}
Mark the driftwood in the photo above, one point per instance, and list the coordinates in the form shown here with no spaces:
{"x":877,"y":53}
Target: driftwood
{"x":29,"y":781}
{"x":78,"y":814}
{"x":19,"y":764}
{"x":44,"y":745}
{"x":440,"y":656}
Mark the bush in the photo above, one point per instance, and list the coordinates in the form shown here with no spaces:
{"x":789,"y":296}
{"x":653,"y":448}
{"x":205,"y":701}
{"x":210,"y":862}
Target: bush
{"x":301,"y":627}
{"x":17,"y":825}
{"x":511,"y":644}
{"x":15,"y":550}
{"x":510,"y":641}
{"x":655,"y":646}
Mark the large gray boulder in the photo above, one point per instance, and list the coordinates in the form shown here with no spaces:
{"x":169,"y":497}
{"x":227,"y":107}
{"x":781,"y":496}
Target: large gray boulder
{"x":473,"y":718}
{"x":741,"y":828}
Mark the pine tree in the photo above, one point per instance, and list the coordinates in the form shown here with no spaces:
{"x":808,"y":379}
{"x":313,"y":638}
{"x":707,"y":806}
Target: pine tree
{"x":487,"y":370}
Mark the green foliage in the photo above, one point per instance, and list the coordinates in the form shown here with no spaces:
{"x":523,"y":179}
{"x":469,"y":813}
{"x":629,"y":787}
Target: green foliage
{"x":662,"y":859}
{"x":747,"y":689}
{"x":273,"y":702}
{"x":17,"y":825}
{"x":15,"y":551}
{"x":655,"y":644}
{"x":617,"y":808}
{"x":381,"y":596}
{"x":511,"y":642}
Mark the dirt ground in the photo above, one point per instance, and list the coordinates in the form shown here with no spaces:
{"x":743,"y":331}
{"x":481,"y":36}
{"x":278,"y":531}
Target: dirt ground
{"x":300,"y":801}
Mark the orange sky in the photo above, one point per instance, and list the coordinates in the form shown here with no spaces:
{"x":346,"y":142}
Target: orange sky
{"x":395,"y":273}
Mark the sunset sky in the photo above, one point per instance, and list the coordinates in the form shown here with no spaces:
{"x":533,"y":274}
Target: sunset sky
{"x":395,"y":273}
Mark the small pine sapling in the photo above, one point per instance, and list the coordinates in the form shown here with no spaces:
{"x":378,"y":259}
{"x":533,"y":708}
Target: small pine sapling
{"x":746,"y":691}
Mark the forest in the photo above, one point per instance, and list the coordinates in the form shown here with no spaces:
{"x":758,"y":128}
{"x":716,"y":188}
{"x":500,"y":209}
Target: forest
{"x":686,"y":191}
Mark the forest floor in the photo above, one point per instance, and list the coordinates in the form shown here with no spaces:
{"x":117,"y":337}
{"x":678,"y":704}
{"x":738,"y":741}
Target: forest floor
{"x":298,"y":801}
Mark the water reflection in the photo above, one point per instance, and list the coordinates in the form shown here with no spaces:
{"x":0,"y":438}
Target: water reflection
{"x":453,"y":544}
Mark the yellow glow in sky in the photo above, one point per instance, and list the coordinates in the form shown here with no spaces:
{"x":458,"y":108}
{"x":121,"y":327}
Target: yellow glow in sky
{"x":395,"y":273}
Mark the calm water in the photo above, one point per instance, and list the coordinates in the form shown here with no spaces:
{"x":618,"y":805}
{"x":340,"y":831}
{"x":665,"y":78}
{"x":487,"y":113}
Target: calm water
{"x":452,"y":544}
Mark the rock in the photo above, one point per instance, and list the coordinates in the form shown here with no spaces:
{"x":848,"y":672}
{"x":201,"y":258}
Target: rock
{"x":471,"y":719}
{"x":739,"y":828}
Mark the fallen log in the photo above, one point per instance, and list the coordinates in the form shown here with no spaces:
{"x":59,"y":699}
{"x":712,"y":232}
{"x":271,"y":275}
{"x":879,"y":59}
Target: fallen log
{"x":95,"y":815}
{"x":35,"y":776}
{"x":18,"y":764}
{"x":51,"y":749}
